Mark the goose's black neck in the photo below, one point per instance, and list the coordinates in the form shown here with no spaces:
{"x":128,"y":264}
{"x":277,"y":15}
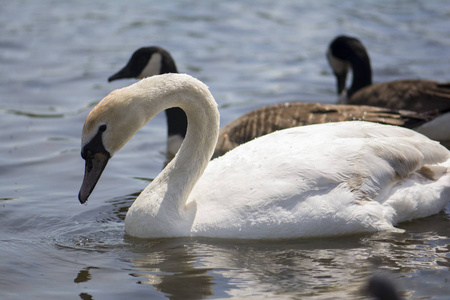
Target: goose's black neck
{"x":176,"y":122}
{"x":362,"y":72}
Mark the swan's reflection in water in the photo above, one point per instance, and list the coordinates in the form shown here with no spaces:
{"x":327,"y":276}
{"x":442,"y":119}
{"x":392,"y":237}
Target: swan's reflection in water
{"x":187,"y":269}
{"x":193,"y":269}
{"x":339,"y":267}
{"x":174,"y":270}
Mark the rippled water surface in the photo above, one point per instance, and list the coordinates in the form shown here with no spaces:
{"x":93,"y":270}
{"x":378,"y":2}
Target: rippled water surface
{"x":55,"y":57}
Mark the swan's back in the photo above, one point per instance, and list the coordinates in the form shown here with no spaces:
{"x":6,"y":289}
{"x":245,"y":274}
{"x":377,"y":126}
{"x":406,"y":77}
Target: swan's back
{"x":318,"y":180}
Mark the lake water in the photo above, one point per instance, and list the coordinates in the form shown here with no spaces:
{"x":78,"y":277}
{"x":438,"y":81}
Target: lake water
{"x":55,"y":58}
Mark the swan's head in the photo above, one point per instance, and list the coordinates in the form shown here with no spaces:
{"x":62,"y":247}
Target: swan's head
{"x":115,"y":119}
{"x":146,"y":62}
{"x":108,"y":128}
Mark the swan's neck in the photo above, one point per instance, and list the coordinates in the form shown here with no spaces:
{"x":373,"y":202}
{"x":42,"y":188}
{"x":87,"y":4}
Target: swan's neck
{"x":362,"y":72}
{"x":163,"y":203}
{"x":191,"y":160}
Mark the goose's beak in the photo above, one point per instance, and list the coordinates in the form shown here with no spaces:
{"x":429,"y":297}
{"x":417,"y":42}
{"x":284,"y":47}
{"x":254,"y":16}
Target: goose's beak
{"x":95,"y":164}
{"x":124,"y":73}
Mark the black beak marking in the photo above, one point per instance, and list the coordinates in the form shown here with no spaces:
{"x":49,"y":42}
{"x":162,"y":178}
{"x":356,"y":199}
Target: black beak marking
{"x":96,"y":157}
{"x":95,"y":164}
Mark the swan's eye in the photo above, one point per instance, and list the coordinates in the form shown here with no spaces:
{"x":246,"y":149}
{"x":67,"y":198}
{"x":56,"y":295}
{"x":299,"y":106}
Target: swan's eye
{"x":102,"y":128}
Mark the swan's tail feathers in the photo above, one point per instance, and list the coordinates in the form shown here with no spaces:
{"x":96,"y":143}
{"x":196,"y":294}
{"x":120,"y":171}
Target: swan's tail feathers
{"x":433,"y":172}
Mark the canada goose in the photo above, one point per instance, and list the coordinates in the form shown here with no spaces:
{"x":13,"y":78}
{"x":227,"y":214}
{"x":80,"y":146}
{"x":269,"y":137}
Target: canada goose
{"x":149,"y":61}
{"x":317,"y":180}
{"x":346,"y":53}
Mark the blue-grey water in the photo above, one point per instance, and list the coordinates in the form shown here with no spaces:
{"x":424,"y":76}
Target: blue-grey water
{"x":55,"y":58}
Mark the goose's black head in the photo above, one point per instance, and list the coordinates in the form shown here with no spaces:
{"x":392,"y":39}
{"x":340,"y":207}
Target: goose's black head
{"x":347,"y":52}
{"x":146,"y":62}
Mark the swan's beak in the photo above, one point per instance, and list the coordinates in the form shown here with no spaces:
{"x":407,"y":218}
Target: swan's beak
{"x":124,"y":73}
{"x":95,"y":164}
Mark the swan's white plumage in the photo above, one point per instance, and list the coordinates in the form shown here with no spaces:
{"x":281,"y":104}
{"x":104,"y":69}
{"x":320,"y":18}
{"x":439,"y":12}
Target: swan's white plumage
{"x":336,"y":178}
{"x":317,"y":180}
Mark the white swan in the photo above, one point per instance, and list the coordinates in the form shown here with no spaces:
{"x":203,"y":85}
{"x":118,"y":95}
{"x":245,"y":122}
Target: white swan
{"x":318,"y":180}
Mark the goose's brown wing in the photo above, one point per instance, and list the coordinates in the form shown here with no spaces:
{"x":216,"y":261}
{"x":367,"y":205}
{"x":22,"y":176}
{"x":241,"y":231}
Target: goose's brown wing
{"x":272,"y":118}
{"x":415,"y":95}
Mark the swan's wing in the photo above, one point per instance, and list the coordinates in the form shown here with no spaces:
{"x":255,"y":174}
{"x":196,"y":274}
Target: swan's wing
{"x":320,"y":180}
